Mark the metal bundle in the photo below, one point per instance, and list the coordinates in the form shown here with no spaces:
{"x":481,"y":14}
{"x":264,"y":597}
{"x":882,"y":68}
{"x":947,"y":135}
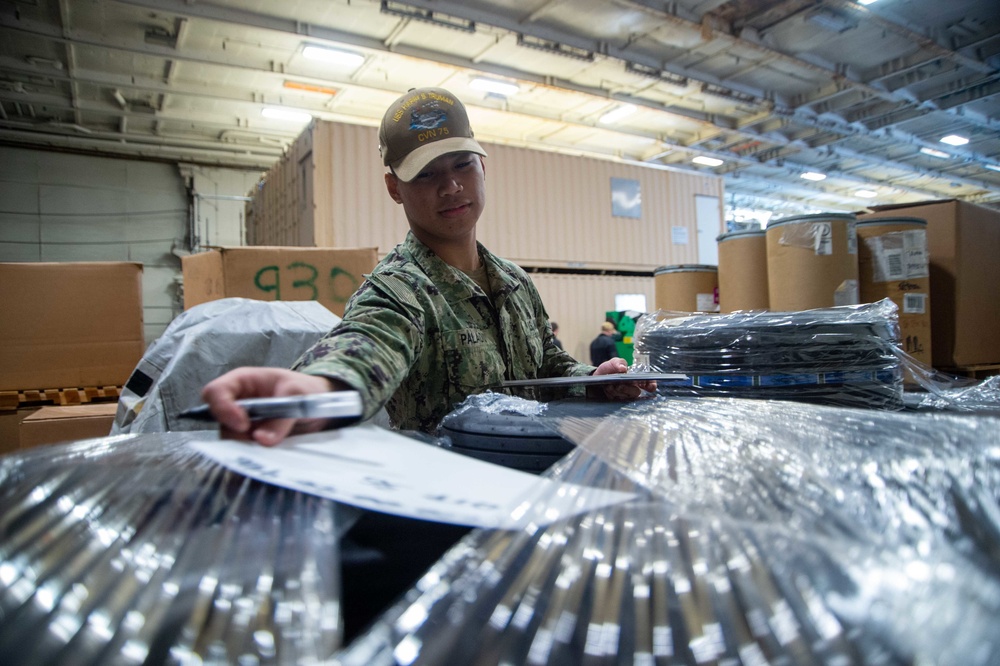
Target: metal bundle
{"x":139,"y":550}
{"x":754,"y":532}
{"x":785,"y":534}
{"x":845,"y":356}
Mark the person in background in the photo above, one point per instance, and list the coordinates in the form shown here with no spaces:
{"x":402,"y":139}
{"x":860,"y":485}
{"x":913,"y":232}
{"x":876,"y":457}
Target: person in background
{"x":555,"y":334}
{"x":603,"y":349}
{"x":441,"y":317}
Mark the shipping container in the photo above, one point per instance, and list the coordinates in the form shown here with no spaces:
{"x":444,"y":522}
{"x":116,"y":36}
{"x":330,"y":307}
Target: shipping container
{"x":543,"y":209}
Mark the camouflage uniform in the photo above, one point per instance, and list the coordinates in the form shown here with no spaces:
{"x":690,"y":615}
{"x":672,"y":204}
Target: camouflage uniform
{"x":420,"y":336}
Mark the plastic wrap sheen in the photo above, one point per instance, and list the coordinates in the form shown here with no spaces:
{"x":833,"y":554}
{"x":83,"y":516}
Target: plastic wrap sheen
{"x":845,"y":355}
{"x":762,"y":532}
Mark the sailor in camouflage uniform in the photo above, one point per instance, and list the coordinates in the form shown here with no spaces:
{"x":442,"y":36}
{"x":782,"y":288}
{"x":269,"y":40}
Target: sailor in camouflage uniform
{"x":440,"y":317}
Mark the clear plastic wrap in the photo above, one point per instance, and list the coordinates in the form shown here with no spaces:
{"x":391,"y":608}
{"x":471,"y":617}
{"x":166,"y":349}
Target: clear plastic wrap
{"x":929,"y":388}
{"x":956,"y":393}
{"x":846,"y":356}
{"x":898,"y":255}
{"x":136,"y":549}
{"x":762,"y":532}
{"x":812,"y":232}
{"x":514,"y":432}
{"x":497,"y":403}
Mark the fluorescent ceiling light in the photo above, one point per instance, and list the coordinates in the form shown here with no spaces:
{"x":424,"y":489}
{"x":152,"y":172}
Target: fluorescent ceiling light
{"x":954,"y":140}
{"x":308,"y":87}
{"x":707,"y":161}
{"x":866,"y":194}
{"x":617,"y":114}
{"x":278,"y":113}
{"x":762,"y":217}
{"x":866,"y":2}
{"x":992,"y":167}
{"x":333,"y":56}
{"x":935,"y":153}
{"x":812,"y":175}
{"x":494,"y":86}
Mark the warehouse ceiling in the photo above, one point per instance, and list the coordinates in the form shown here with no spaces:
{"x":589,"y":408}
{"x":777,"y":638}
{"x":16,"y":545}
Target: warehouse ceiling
{"x":857,"y":94}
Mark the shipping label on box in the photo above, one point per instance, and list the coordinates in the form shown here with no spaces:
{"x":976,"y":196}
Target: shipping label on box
{"x":327,"y":275}
{"x":69,"y":325}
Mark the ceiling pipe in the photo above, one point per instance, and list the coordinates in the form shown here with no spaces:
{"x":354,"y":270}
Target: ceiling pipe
{"x":140,"y":140}
{"x":151,"y":151}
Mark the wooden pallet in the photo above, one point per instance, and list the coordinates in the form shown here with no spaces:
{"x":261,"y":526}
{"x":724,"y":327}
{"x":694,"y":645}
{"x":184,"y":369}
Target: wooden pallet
{"x":976,"y":371}
{"x":12,"y":400}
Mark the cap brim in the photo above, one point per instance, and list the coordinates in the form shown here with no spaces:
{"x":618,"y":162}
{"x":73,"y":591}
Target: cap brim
{"x":408,"y":167}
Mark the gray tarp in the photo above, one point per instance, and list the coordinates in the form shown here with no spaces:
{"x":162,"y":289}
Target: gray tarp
{"x":207,"y":341}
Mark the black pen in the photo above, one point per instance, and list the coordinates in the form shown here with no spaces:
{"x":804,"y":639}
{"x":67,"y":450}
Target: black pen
{"x":343,"y":406}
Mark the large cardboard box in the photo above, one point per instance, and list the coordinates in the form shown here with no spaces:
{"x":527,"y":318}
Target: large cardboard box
{"x":10,"y":428}
{"x":327,"y":275}
{"x":51,"y":425}
{"x":69,"y":325}
{"x":963,"y":244}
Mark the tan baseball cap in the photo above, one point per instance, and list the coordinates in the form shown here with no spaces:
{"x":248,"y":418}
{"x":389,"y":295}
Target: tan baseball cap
{"x":421,"y":126}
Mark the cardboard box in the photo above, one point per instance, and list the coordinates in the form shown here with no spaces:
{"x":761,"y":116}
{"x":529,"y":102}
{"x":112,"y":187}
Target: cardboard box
{"x":69,"y":325}
{"x":10,"y":428}
{"x":327,"y":275}
{"x":893,"y":264}
{"x":51,"y":425}
{"x":963,"y":244}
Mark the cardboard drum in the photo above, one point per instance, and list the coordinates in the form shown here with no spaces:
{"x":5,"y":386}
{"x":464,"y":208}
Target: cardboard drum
{"x":812,"y":262}
{"x":687,"y":288}
{"x":743,"y":271}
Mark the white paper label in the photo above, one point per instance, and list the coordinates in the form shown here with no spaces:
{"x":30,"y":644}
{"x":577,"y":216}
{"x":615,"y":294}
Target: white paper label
{"x":899,"y":255}
{"x":895,"y":267}
{"x":915,"y":254}
{"x":822,"y":238}
{"x":847,"y":293}
{"x":378,"y":469}
{"x":706,"y":303}
{"x":914,"y":303}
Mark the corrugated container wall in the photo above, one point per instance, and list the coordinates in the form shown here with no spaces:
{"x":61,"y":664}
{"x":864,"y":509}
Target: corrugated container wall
{"x":578,"y":304}
{"x":543,"y":209}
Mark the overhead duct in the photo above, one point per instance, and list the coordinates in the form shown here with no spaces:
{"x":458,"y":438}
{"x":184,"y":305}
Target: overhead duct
{"x":428,"y":16}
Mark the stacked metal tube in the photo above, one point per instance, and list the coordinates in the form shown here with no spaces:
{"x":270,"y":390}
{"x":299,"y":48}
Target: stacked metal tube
{"x":845,"y":356}
{"x":761,"y":532}
{"x":755,"y":532}
{"x":139,"y":550}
